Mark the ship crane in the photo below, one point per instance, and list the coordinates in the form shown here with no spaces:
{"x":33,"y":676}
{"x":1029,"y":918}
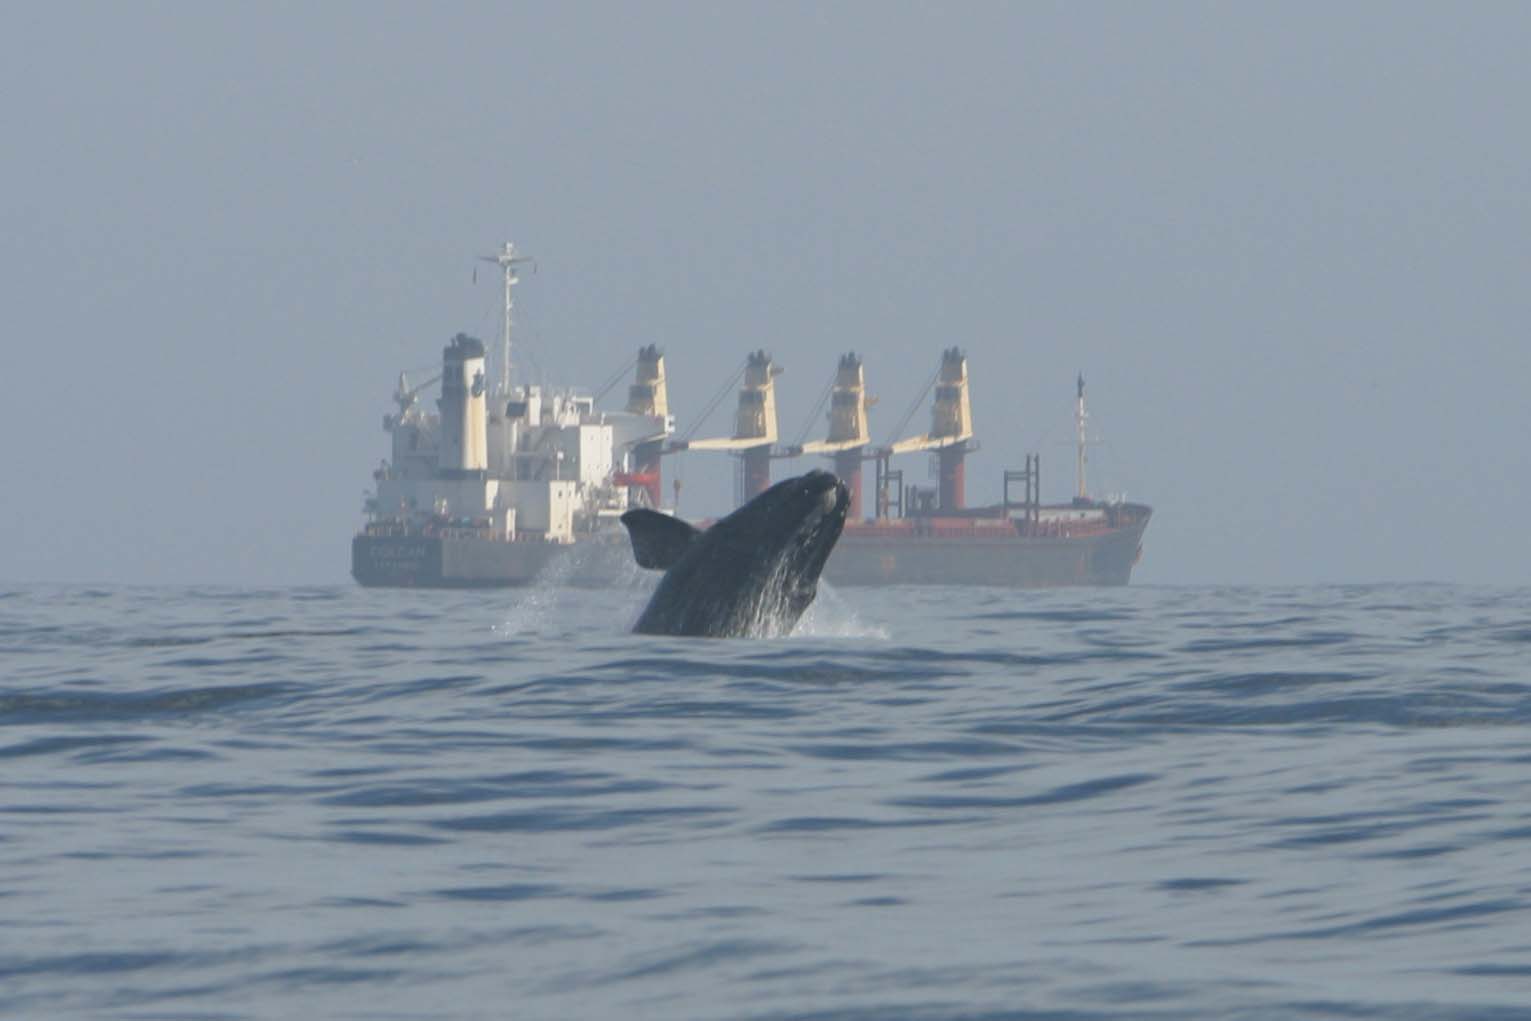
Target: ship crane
{"x":951,"y":430}
{"x":406,"y":397}
{"x":755,"y":431}
{"x":849,"y":436}
{"x":648,"y":400}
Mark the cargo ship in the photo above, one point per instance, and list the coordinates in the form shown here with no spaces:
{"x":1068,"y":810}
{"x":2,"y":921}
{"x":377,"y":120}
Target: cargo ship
{"x":507,"y":485}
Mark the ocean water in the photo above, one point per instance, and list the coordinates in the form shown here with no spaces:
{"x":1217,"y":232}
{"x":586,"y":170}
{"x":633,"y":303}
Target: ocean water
{"x":927,"y":803}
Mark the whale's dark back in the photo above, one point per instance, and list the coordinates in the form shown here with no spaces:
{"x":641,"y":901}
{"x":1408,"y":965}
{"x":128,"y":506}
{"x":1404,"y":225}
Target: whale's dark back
{"x":751,"y":574}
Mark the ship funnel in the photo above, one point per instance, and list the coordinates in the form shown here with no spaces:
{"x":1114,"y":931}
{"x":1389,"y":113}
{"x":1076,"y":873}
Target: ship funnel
{"x":464,"y":439}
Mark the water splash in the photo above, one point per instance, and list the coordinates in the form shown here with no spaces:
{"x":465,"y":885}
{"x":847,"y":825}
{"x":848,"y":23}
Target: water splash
{"x":828,"y":616}
{"x":831,"y":616}
{"x":553,"y":601}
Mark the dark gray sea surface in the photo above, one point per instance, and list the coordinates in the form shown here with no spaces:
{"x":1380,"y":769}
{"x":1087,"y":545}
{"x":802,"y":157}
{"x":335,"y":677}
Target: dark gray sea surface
{"x":928,"y":803}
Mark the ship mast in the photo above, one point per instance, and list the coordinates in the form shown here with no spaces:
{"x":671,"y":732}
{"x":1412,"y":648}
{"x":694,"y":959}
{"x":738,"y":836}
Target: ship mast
{"x":509,"y":263}
{"x":1081,"y":420}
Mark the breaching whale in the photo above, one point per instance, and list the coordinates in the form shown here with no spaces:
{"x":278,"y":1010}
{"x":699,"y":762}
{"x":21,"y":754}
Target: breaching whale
{"x":751,"y":574}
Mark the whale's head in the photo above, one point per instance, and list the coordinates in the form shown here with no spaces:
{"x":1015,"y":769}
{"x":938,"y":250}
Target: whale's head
{"x":752,"y":573}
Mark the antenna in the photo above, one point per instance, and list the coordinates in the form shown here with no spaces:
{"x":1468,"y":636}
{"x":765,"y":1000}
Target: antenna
{"x":509,"y":263}
{"x":1081,"y":421}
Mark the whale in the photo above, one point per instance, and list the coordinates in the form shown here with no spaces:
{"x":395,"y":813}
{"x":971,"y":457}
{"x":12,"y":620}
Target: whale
{"x":749,"y":575}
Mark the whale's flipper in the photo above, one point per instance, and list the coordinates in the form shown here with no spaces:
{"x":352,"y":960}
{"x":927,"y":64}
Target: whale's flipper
{"x":658,"y":539}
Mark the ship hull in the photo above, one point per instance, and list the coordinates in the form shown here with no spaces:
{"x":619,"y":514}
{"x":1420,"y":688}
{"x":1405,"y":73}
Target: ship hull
{"x":418,"y":561}
{"x":1012,"y":562}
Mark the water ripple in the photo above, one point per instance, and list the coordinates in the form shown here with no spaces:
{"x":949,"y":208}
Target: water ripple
{"x":932,"y":804}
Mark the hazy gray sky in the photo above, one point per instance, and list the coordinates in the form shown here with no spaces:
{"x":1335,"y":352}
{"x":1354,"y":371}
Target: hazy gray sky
{"x":1288,"y":244}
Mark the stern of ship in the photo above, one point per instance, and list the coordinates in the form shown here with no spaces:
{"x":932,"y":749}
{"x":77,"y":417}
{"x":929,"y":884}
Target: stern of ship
{"x":397,"y":560}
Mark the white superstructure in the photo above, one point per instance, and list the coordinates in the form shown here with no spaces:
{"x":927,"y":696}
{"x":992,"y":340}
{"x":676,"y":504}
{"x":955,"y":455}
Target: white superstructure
{"x":509,"y":463}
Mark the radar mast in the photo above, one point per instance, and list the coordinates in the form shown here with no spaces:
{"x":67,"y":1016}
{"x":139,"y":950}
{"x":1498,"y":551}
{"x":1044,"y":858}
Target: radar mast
{"x":510,"y":264}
